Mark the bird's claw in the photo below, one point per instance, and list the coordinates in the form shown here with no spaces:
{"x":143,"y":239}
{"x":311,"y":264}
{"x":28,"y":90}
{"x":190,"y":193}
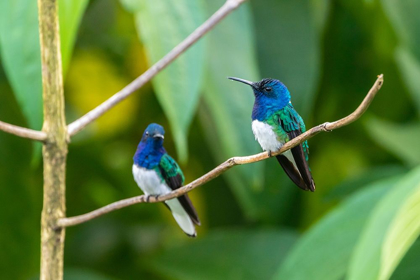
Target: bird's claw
{"x":156,"y":197}
{"x":269,"y":153}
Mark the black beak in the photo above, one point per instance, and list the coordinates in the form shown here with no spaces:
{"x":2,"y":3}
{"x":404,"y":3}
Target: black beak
{"x":157,"y":135}
{"x":242,"y":81}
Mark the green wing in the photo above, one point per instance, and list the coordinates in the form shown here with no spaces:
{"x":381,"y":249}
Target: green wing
{"x":174,"y":178}
{"x":171,"y":172}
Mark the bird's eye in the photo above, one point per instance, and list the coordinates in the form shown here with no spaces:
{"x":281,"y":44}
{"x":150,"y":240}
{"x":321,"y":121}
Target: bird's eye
{"x":268,"y":89}
{"x":147,"y":133}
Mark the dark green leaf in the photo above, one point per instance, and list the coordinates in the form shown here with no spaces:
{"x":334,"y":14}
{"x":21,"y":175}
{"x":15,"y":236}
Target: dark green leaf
{"x":409,"y":268}
{"x":399,"y":139}
{"x":70,"y":15}
{"x":227,"y":254}
{"x":226,"y":116}
{"x":410,"y":69}
{"x":324,"y":251}
{"x":288,"y":39}
{"x":162,"y":24}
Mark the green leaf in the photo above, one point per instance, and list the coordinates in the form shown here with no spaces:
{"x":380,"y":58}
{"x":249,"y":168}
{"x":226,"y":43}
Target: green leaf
{"x":70,"y":15}
{"x":403,"y":231}
{"x":20,"y":52}
{"x":227,"y":254}
{"x":403,"y":15}
{"x":410,"y":69}
{"x":399,"y":139}
{"x":369,"y":256}
{"x":370,"y":175}
{"x":409,"y":269}
{"x":324,"y":251}
{"x":226,"y":114}
{"x":292,"y":58}
{"x":161,"y":25}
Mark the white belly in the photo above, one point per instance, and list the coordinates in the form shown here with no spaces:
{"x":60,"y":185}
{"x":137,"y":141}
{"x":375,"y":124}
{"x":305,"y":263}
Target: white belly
{"x":149,"y":181}
{"x":265,"y":135}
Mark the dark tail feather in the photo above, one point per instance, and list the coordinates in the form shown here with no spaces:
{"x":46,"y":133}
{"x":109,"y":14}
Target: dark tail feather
{"x":302,"y":165}
{"x":188,"y":206}
{"x":291,"y":171}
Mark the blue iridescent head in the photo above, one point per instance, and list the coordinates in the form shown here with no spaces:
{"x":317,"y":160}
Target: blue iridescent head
{"x":153,"y":134}
{"x":150,"y":149}
{"x":271,"y":95}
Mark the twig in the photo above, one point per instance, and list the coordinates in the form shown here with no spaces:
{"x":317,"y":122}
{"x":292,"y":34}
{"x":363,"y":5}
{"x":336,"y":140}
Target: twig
{"x":66,"y":222}
{"x":23,"y":132}
{"x":82,"y":122}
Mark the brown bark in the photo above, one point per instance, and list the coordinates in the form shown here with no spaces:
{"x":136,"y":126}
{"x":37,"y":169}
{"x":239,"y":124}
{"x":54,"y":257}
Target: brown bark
{"x":55,"y":146}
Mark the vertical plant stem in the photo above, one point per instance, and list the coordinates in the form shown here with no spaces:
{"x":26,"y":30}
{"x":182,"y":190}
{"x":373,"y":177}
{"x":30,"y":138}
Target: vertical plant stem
{"x":55,"y":148}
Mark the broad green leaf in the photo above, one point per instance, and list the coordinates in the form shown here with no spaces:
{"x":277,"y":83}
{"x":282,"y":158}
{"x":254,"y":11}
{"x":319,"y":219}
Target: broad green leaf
{"x":226,"y":114}
{"x":20,"y":50}
{"x":403,"y":231}
{"x":21,"y":58}
{"x":324,"y":251}
{"x":399,"y":139}
{"x":410,"y":69}
{"x":289,"y":45}
{"x":226,"y":254}
{"x":369,"y":251}
{"x":403,"y":15}
{"x":70,"y":15}
{"x":161,"y":25}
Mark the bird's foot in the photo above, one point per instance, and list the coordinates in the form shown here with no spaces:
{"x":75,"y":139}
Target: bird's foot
{"x":269,"y":153}
{"x":155,"y":197}
{"x":325,"y":127}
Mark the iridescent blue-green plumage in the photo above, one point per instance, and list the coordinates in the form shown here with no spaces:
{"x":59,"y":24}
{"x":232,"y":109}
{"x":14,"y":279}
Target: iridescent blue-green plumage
{"x":275,"y":122}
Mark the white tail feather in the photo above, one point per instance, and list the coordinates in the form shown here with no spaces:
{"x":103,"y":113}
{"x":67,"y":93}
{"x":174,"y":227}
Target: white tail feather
{"x":181,"y":217}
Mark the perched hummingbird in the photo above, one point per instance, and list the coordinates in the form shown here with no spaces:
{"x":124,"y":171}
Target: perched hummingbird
{"x":156,"y":173}
{"x":274,"y":122}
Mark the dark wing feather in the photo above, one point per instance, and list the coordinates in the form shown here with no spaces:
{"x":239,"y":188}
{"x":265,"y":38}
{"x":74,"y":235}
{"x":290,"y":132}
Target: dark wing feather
{"x":291,"y":171}
{"x":174,"y":179}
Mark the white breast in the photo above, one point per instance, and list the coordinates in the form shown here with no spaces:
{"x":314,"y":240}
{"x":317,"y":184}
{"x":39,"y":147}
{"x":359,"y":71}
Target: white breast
{"x":265,"y":135}
{"x":149,"y":181}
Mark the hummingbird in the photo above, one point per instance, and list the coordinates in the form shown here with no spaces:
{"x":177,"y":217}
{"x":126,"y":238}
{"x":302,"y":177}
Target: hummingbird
{"x":275,"y":122}
{"x":157,"y":173}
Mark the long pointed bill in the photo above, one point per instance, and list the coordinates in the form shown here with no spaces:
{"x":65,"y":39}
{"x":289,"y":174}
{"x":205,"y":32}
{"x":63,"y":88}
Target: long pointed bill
{"x":242,"y":81}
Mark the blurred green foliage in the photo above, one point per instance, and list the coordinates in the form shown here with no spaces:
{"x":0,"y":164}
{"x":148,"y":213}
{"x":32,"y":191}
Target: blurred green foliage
{"x":361,"y":223}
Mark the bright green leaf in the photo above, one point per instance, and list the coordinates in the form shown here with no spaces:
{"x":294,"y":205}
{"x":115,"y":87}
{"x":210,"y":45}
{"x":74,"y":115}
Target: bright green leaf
{"x":289,"y":45}
{"x":20,"y":52}
{"x":324,"y":251}
{"x":226,"y":116}
{"x":399,"y":139}
{"x":227,"y":254}
{"x":410,"y":69}
{"x":161,"y":25}
{"x":403,"y":231}
{"x":70,"y":15}
{"x":368,"y":253}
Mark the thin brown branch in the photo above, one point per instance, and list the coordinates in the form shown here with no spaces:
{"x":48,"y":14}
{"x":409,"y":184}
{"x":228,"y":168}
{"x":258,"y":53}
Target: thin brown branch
{"x":140,"y":81}
{"x":23,"y":132}
{"x":66,"y":222}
